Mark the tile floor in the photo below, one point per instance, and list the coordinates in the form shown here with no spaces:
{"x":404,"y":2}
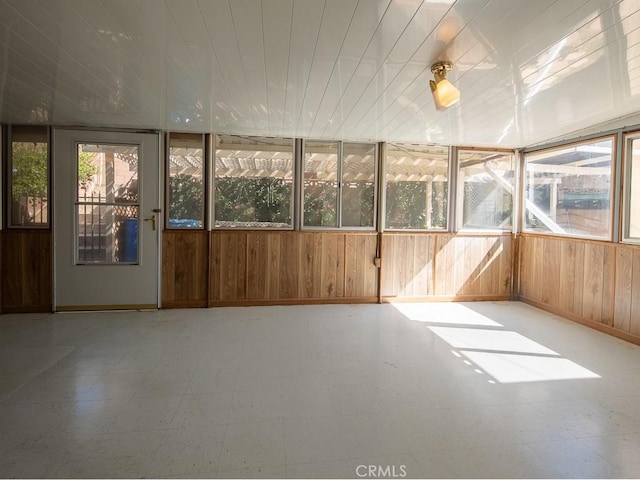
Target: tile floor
{"x":421,"y":390}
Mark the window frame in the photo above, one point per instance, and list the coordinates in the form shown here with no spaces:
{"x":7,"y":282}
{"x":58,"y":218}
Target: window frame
{"x":612,"y":189}
{"x":7,"y":178}
{"x":458,"y":193}
{"x":211,"y":199}
{"x":626,"y":173}
{"x":3,"y":157}
{"x":339,"y":170}
{"x":205,"y":182}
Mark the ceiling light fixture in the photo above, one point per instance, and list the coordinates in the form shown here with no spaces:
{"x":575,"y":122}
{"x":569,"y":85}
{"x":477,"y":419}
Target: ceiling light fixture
{"x":444,"y":93}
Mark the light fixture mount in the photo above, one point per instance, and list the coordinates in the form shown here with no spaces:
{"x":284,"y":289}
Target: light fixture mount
{"x":441,"y":68}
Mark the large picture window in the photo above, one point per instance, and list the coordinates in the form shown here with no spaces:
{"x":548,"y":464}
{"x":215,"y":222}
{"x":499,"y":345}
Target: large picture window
{"x":253,"y":182}
{"x":186,"y":189}
{"x":339,"y":184}
{"x":568,"y":190}
{"x":485,"y":190}
{"x":417,"y":187}
{"x":28,"y":177}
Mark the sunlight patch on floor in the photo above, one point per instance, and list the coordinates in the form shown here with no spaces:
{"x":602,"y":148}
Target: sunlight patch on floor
{"x":481,"y":343}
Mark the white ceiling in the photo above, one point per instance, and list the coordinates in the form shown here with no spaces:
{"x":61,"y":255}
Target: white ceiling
{"x":528,"y":70}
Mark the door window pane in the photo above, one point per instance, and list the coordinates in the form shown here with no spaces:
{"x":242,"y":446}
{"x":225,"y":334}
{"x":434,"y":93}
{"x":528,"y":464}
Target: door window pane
{"x":186,"y":181}
{"x":568,"y":190}
{"x":29,"y":177}
{"x":485,"y":189}
{"x":253,"y":179}
{"x":358,"y":184}
{"x":417,"y":188}
{"x":107,"y":208}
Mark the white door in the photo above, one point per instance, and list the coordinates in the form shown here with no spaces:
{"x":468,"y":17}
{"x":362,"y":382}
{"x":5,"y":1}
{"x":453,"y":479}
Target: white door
{"x":106,"y":220}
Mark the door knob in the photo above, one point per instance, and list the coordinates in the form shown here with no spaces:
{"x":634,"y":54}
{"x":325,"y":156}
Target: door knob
{"x":151,"y":219}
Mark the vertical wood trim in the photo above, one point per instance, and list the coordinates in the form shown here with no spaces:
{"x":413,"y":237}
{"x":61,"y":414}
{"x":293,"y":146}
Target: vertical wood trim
{"x":434,"y":265}
{"x":578,"y":292}
{"x":274,"y":266}
{"x":209,"y":267}
{"x":634,"y":324}
{"x":552,"y":260}
{"x":380,"y":252}
{"x":1,"y":233}
{"x":523,"y":247}
{"x":507,"y":264}
{"x":514,"y":280}
{"x":608,"y":284}
{"x":593,"y":278}
{"x":566,"y":288}
{"x":623,"y":289}
{"x":214,"y":267}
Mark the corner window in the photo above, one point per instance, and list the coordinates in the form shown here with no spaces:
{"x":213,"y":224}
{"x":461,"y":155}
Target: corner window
{"x":186,"y":189}
{"x":485,"y":190}
{"x":339,"y":184}
{"x":417,"y":187}
{"x":253,"y":181}
{"x":568,"y":190}
{"x":28,"y":177}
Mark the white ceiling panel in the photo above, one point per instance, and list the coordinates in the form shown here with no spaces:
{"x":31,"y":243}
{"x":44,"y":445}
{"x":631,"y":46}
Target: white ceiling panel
{"x":336,"y":20}
{"x":305,"y":30}
{"x":363,"y":26}
{"x":277,"y":32}
{"x":528,"y":71}
{"x":394,"y":23}
{"x":222,"y":39}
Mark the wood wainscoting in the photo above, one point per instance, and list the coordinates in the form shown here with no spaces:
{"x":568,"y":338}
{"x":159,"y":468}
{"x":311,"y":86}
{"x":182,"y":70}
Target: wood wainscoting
{"x":185,"y":268}
{"x":442,"y":266}
{"x":26,"y":283}
{"x":229,"y":267}
{"x":592,"y":282}
{"x":260,"y":268}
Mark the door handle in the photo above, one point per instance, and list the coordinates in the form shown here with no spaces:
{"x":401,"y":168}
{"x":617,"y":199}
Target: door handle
{"x":152,"y":219}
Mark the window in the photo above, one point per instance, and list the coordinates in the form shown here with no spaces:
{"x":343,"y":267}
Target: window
{"x":485,"y":189}
{"x":632,"y":189}
{"x":28,"y":177}
{"x":108,"y":203}
{"x":417,"y":187}
{"x":568,"y":190}
{"x":353,"y":196}
{"x":186,"y":190}
{"x":320,"y":184}
{"x":358,"y":184}
{"x":253,"y":181}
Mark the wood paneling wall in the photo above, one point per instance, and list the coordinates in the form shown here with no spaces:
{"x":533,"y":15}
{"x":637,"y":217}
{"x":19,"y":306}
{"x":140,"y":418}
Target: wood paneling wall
{"x":421,"y":266}
{"x":597,"y":283}
{"x":2,"y":273}
{"x":26,"y":271}
{"x":250,"y":267}
{"x":185,"y":268}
